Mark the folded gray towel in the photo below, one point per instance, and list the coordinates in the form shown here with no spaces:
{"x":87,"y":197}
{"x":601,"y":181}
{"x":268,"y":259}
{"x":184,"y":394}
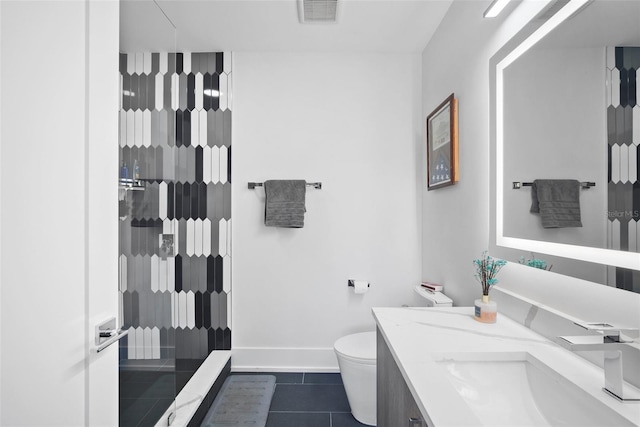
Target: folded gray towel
{"x":284,"y":204}
{"x":557,"y":201}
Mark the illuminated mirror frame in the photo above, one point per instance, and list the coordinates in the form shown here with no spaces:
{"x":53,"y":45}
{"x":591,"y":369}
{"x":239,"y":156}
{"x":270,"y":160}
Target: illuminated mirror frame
{"x":630,"y":260}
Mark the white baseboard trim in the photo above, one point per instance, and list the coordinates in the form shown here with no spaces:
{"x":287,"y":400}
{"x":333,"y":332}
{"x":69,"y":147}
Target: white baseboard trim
{"x":262,"y":359}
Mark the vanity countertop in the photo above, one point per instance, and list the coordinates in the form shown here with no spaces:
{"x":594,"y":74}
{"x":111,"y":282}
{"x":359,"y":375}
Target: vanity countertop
{"x":419,"y":337}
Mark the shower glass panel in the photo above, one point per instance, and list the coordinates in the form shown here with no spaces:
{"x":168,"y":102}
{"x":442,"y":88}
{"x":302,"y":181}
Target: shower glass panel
{"x":147,"y":356}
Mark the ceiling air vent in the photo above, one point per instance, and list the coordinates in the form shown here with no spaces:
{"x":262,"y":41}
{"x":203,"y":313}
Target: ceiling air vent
{"x":317,"y":11}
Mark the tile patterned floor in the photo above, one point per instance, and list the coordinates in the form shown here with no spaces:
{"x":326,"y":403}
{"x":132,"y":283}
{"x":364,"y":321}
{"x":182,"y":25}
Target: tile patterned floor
{"x":309,"y":400}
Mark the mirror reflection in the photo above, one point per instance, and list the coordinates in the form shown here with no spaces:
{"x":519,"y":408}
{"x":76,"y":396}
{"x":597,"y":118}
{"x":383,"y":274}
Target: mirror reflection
{"x":570,"y":113}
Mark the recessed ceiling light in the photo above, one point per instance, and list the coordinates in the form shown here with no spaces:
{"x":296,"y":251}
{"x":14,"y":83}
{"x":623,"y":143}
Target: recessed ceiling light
{"x":495,"y":8}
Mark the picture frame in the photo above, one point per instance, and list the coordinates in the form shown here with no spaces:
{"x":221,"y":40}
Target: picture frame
{"x":442,"y":144}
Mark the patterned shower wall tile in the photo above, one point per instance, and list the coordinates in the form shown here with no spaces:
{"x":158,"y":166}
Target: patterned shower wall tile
{"x":197,"y":249}
{"x":195,"y":128}
{"x":627,"y":138}
{"x":206,"y":310}
{"x":615,"y":87}
{"x":191,"y":92}
{"x":187,"y":284}
{"x":191,"y":310}
{"x":179,"y":62}
{"x":222,"y":233}
{"x":191,"y":163}
{"x":203,"y":130}
{"x":139,"y":343}
{"x":219,"y":130}
{"x":226,"y":128}
{"x":167,"y":92}
{"x":633,"y":236}
{"x":130,"y":126}
{"x":186,"y":62}
{"x":211,"y":273}
{"x":182,"y":91}
{"x":139,"y":62}
{"x":155,"y":274}
{"x":215,"y":165}
{"x":226,"y":274}
{"x":122,"y":272}
{"x":190,"y":237}
{"x":182,"y":310}
{"x":198,"y":309}
{"x":175,"y":90}
{"x":162,"y":275}
{"x":635,"y":125}
{"x":222,"y":310}
{"x":219,"y":274}
{"x":138,"y":128}
{"x":206,"y":237}
{"x":227,"y":58}
{"x":224,"y":161}
{"x":143,"y":87}
{"x":229,"y":306}
{"x":615,"y":163}
{"x":158,"y":89}
{"x":131,"y":63}
{"x":214,"y":310}
{"x":223,"y":91}
{"x":146,"y":128}
{"x":230,"y":93}
{"x":226,"y":202}
{"x":155,"y":343}
{"x":198,"y":90}
{"x":171,"y":274}
{"x":122,"y":128}
{"x":206,"y":164}
{"x":162,"y":200}
{"x":134,"y":92}
{"x":125,"y":92}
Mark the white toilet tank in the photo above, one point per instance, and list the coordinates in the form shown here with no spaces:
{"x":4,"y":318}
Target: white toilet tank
{"x":433,"y":299}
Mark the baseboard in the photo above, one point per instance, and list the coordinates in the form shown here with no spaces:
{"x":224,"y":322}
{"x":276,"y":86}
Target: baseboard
{"x":261,"y":359}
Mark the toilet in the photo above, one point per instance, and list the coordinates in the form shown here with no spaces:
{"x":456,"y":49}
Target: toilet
{"x":357,"y":361}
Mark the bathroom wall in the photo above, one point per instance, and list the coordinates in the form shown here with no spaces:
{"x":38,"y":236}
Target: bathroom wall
{"x":175,"y":124}
{"x":456,"y":218}
{"x":349,"y":121}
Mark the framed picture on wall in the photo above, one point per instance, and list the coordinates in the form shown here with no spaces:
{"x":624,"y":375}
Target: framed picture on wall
{"x":442,"y":145}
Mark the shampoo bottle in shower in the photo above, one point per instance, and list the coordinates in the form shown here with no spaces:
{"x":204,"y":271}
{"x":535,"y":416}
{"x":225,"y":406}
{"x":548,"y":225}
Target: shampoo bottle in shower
{"x":124,"y":172}
{"x":136,"y":170}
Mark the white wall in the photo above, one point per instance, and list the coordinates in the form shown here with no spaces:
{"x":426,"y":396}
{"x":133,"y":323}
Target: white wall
{"x":55,"y":122}
{"x":555,"y":125}
{"x":456,"y":218}
{"x":349,"y":121}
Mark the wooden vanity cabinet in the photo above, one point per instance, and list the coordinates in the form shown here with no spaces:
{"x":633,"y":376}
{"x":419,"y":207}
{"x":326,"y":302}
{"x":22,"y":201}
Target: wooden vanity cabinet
{"x":396,"y":406}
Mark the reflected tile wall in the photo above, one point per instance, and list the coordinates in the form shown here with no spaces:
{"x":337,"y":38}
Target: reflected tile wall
{"x":176,"y":125}
{"x":623,"y":139}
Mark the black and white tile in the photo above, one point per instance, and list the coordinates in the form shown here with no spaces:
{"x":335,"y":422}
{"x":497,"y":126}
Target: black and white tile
{"x":175,"y":123}
{"x":623,"y":139}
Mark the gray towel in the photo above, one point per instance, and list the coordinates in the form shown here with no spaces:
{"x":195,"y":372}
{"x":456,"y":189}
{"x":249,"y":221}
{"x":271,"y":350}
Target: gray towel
{"x":284,"y":204}
{"x":557,"y":201}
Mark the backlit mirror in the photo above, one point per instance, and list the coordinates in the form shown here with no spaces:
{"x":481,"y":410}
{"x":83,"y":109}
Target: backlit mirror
{"x":565,"y":108}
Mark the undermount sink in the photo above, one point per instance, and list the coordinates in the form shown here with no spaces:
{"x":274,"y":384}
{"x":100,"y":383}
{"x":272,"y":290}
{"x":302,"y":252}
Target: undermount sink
{"x":516,"y":389}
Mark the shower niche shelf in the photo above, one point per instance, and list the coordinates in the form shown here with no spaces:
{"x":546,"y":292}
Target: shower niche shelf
{"x":131,"y":184}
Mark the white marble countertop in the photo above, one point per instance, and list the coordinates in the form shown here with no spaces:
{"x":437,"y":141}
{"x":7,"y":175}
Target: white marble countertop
{"x":418,"y":337}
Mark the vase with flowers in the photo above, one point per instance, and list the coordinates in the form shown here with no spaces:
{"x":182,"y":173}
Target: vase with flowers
{"x":487,"y":268}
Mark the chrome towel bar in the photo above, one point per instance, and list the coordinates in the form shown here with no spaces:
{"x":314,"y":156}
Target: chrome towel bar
{"x":316,"y":185}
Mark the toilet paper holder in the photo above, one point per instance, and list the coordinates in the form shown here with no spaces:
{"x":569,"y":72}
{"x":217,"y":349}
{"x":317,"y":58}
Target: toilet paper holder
{"x":352,"y":284}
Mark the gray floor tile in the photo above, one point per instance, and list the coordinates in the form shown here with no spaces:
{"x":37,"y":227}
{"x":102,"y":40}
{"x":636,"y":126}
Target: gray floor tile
{"x":322,"y":378}
{"x":310,"y":398}
{"x":344,"y":419}
{"x":298,"y":419}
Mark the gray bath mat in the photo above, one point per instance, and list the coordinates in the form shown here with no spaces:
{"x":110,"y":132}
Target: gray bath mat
{"x":243,"y":400}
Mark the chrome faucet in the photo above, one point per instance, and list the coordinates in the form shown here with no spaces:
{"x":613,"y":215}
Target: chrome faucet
{"x":610,"y":340}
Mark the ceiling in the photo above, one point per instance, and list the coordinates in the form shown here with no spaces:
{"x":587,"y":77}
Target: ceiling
{"x":273,"y":26}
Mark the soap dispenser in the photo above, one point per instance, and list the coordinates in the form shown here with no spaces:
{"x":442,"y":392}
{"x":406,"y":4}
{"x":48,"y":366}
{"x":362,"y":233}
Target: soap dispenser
{"x":124,"y":171}
{"x":136,"y":170}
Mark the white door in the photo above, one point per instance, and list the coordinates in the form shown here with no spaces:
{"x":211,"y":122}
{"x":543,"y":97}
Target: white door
{"x":58,"y":193}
